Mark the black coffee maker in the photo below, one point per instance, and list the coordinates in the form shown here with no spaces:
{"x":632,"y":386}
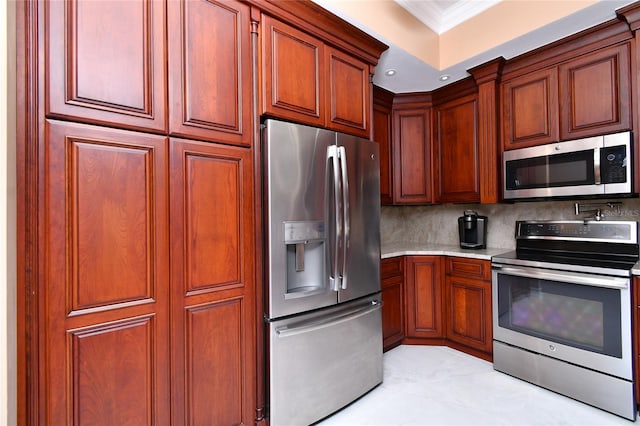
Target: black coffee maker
{"x":473,"y":230}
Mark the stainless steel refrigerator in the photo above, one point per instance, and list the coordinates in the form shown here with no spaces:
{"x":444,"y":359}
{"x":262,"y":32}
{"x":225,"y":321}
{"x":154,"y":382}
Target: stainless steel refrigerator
{"x":323,"y":309}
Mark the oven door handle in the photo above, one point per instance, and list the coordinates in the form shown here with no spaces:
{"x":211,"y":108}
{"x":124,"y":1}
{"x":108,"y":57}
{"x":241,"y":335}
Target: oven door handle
{"x":568,"y":277}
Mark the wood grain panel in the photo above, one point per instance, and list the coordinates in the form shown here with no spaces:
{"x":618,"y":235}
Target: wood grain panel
{"x":392,"y":312}
{"x":107,"y":276}
{"x":382,"y":135}
{"x":112,"y":379}
{"x":212,"y":222}
{"x":111,"y":206}
{"x":530,"y":109}
{"x":471,"y":268}
{"x":457,"y":147}
{"x":349,"y":93}
{"x":213,"y":292}
{"x":210,"y":71}
{"x":214,"y":363}
{"x":412,"y":171}
{"x":469,"y":320}
{"x":106,"y":62}
{"x":595,"y":95}
{"x":293,"y":73}
{"x":424,"y":297}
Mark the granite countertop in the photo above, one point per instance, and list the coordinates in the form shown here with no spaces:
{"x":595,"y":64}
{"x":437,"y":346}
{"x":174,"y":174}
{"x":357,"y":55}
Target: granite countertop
{"x":431,"y":249}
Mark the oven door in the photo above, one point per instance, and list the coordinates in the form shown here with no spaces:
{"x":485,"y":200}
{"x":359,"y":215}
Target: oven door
{"x":580,"y":318}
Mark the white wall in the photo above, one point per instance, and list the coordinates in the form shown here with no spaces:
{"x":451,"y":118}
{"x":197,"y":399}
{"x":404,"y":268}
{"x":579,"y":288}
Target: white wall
{"x":8,"y":359}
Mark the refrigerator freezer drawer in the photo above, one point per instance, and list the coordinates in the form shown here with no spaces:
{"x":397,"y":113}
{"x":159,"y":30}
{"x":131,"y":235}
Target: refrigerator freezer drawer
{"x":322,"y":361}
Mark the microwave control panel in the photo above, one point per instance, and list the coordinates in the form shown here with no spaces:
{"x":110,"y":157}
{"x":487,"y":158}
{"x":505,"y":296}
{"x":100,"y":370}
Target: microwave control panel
{"x":613,"y":164}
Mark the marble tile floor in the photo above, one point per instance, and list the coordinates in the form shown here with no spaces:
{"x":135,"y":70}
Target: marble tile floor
{"x":437,"y":385}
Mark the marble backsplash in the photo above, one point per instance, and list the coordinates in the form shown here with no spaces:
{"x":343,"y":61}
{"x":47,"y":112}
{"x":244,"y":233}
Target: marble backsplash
{"x":439,"y":224}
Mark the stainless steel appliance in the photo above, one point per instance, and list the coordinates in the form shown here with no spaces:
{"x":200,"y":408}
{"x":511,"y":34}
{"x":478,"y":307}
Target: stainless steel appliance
{"x":472,"y":230}
{"x":562,"y":310}
{"x":595,"y":166}
{"x":322,"y":202}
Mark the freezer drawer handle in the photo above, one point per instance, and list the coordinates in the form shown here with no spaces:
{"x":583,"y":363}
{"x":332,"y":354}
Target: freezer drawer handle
{"x":329,"y":322}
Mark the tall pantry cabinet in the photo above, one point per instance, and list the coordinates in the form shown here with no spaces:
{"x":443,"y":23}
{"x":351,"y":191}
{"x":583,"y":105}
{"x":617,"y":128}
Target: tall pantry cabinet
{"x":139,"y":250}
{"x":140,"y":282}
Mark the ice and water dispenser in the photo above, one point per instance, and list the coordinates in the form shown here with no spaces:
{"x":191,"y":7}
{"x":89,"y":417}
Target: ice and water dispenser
{"x":305,"y":245}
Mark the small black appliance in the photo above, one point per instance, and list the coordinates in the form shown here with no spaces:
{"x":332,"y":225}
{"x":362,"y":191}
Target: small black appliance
{"x":472,"y":229}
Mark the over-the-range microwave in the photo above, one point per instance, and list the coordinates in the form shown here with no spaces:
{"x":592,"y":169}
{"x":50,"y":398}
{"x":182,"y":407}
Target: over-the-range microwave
{"x":589,"y":167}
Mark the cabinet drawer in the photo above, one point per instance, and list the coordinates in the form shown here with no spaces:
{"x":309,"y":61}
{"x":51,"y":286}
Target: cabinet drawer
{"x":470,"y":268}
{"x":391,"y":267}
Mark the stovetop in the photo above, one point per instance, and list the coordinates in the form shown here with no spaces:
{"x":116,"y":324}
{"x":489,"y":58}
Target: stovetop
{"x":606,"y":247}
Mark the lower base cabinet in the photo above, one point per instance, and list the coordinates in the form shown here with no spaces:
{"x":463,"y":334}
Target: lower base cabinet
{"x":468,"y":303}
{"x":423,"y":300}
{"x":447,"y":301}
{"x":392,"y":274}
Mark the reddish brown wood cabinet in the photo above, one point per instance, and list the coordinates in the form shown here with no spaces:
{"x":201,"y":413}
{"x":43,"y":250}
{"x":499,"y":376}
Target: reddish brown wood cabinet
{"x":411,"y":152}
{"x":584,"y":96}
{"x":212,"y":283}
{"x":105,"y":305}
{"x":107,"y":63}
{"x":382,"y":134}
{"x":468,"y":304}
{"x":457,"y":171}
{"x":424,"y":298}
{"x":308,"y":81}
{"x":392,"y":275}
{"x":595,"y":95}
{"x":530,"y":109}
{"x":210,"y":71}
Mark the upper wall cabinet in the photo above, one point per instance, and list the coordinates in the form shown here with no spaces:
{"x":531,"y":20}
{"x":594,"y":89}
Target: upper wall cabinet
{"x":382,"y":134}
{"x":106,"y":63}
{"x":412,"y":154}
{"x":530,"y":109}
{"x":595,"y":95}
{"x":210,"y":71}
{"x":308,"y":81}
{"x":457,"y":171}
{"x":584,"y":96}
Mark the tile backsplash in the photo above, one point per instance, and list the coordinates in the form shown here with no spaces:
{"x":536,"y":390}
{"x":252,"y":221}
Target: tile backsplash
{"x":439,"y":224}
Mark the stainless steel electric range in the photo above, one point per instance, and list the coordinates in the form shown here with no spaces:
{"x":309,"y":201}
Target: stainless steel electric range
{"x":562,"y":310}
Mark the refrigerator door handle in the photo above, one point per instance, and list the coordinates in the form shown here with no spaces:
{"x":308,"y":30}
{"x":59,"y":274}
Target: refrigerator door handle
{"x":328,"y":321}
{"x":334,"y":275}
{"x":342,"y":153}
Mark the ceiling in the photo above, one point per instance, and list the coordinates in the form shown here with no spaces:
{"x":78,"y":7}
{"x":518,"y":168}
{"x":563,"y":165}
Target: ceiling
{"x":416,"y":75}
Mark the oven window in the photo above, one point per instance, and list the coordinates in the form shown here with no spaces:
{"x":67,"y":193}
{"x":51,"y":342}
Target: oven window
{"x":568,"y":169}
{"x":580,"y":316}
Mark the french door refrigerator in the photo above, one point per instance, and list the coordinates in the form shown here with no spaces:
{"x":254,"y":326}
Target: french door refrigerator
{"x":323,"y":309}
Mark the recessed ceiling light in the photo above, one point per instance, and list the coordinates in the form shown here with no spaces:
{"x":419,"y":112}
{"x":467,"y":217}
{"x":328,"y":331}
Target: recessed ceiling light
{"x":444,"y":77}
{"x":390,"y":73}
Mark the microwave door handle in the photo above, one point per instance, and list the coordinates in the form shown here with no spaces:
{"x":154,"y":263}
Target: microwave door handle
{"x":596,"y":166}
{"x":334,"y":275}
{"x":346,"y":228}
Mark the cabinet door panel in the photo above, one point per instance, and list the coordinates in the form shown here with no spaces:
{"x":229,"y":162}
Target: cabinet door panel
{"x":349,"y":94}
{"x":458,"y":173}
{"x":596,"y":94}
{"x":424,"y":297}
{"x":107,"y":276}
{"x":382,"y":135}
{"x":392,"y":312}
{"x":293,"y":73}
{"x":469,"y":306}
{"x":212,"y":283}
{"x":210,"y":71}
{"x":530,"y":109}
{"x":412,"y":172}
{"x":89,"y":76}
